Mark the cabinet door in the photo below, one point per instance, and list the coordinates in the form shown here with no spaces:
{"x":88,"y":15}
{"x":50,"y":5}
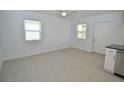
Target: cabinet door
{"x":110,"y":58}
{"x":119,"y":65}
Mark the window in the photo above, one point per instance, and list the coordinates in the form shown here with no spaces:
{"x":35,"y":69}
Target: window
{"x":81,"y":31}
{"x":32,"y":29}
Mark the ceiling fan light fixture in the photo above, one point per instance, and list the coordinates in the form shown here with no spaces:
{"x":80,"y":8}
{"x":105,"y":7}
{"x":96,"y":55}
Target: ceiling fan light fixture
{"x":63,"y":13}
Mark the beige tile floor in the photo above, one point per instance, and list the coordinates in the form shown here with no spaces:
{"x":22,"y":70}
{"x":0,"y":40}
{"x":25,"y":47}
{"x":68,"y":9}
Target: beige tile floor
{"x":66,"y":65}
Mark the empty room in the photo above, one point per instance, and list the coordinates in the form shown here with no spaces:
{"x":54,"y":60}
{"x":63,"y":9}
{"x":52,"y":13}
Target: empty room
{"x":61,"y":45}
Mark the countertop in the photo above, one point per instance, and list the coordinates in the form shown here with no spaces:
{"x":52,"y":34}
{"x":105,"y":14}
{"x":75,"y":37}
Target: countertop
{"x":117,"y":47}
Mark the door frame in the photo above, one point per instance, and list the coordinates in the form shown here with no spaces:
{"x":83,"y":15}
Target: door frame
{"x":93,"y":37}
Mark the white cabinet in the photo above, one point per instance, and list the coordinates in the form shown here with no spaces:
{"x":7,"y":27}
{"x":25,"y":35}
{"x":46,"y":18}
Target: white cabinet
{"x":110,"y":58}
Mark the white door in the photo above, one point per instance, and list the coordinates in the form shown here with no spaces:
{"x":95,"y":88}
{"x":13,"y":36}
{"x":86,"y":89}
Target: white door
{"x":100,"y":39}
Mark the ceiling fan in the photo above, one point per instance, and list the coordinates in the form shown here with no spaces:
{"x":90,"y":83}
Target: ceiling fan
{"x":67,"y":12}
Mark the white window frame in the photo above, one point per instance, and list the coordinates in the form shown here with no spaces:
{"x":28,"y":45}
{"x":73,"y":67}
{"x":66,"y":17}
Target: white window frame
{"x":82,"y":31}
{"x":32,"y":31}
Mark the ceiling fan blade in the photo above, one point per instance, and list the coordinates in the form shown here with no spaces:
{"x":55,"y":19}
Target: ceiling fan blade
{"x":73,"y":12}
{"x":69,"y":12}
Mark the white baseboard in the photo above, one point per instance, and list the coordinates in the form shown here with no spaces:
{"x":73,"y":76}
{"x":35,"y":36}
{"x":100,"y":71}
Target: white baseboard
{"x":82,"y":49}
{"x":36,"y":53}
{"x":41,"y":52}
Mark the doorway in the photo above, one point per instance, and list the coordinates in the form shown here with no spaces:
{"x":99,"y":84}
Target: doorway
{"x":100,"y":37}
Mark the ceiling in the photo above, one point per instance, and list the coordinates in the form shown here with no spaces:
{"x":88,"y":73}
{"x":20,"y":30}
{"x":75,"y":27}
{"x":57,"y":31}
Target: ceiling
{"x":79,"y":13}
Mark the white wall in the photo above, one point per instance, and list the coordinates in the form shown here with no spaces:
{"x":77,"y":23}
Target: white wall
{"x":1,"y":50}
{"x":122,"y":27}
{"x":0,"y":43}
{"x":115,"y":20}
{"x":55,"y":34}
